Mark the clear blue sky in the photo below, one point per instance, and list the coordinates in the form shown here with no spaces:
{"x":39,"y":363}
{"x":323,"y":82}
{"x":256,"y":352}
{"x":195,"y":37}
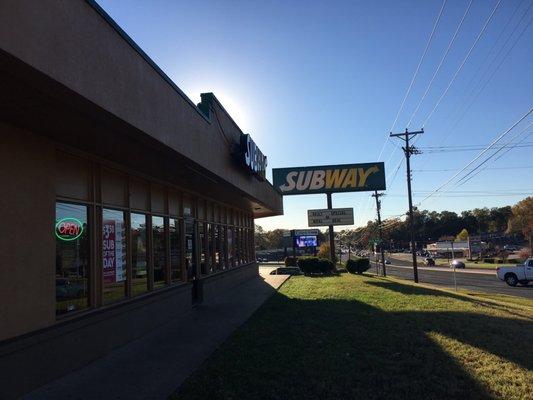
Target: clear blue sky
{"x":320,"y":82}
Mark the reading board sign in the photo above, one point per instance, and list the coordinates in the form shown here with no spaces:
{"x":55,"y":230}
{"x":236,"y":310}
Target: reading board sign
{"x":327,"y":217}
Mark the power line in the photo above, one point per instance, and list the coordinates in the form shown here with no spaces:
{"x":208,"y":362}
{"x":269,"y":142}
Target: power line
{"x":512,"y":147}
{"x":419,"y":64}
{"x":472,"y":100}
{"x":467,"y":146}
{"x":490,"y":157}
{"x":473,"y":172}
{"x":480,"y":34}
{"x":440,"y":63}
{"x":451,"y":169}
{"x":455,"y":150}
{"x":478,"y":156}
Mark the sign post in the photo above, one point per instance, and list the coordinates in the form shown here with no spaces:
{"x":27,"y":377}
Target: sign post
{"x":331,"y":233}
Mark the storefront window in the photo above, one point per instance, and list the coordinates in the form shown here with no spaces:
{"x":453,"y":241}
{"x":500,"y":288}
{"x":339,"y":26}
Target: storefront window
{"x":211,"y":240}
{"x":201,"y":248}
{"x":223,"y":248}
{"x":160,"y":253}
{"x":190,"y":249}
{"x":72,"y":258}
{"x":175,"y":250}
{"x":237,"y":247}
{"x":231,"y":247}
{"x":139,"y":261}
{"x":187,"y":205}
{"x":113,"y":256}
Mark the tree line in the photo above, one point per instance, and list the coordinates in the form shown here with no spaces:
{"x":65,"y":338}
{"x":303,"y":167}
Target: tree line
{"x":513,"y":223}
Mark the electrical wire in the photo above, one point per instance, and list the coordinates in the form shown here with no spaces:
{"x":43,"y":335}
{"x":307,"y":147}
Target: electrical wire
{"x":473,"y":173}
{"x":480,"y":34}
{"x":435,"y":25}
{"x":448,"y":170}
{"x":477,"y":157}
{"x":472,"y":99}
{"x":440,"y":63}
{"x":492,"y":155}
{"x":508,"y":150}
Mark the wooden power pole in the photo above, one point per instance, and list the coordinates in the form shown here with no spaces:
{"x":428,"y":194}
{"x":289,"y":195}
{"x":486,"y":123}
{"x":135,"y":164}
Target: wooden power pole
{"x":378,"y":209}
{"x":408,"y":150}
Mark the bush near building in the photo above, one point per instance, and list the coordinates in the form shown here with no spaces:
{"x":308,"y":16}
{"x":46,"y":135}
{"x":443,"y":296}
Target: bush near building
{"x":315,"y":265}
{"x":357,"y":265}
{"x":323,"y":252}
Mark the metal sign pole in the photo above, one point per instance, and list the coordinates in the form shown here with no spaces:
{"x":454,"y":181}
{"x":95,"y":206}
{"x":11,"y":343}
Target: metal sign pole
{"x":331,"y":233}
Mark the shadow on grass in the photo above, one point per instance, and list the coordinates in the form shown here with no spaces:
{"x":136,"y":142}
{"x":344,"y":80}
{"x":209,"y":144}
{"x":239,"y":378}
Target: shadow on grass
{"x":413,"y":290}
{"x":346,"y":349}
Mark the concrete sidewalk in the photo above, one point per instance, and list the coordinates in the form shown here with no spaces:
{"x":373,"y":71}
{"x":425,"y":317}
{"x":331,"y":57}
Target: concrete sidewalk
{"x":153,"y":366}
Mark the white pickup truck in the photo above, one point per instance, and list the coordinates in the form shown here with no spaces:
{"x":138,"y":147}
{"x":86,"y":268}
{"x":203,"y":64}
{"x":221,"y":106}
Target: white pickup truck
{"x":512,"y":275}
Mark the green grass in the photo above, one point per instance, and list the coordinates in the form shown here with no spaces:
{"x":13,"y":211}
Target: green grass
{"x":360,"y":337}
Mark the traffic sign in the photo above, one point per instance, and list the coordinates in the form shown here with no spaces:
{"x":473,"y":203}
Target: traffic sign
{"x":334,"y":216}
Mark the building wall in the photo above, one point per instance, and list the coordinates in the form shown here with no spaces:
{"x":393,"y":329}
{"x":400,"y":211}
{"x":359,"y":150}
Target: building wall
{"x":36,"y":174}
{"x":27,"y":207}
{"x":71,"y":43}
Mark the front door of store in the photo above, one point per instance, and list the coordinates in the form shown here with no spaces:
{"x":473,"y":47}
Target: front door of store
{"x":190,"y":259}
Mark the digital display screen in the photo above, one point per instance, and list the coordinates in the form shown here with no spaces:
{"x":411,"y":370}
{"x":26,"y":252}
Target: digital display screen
{"x":306,"y":241}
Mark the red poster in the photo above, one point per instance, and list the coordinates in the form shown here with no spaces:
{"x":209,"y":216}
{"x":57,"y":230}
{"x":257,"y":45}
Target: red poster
{"x":109,"y":259}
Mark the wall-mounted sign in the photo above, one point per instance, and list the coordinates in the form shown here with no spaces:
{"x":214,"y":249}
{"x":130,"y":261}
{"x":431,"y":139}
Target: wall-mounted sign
{"x":326,"y":217}
{"x":252,"y":157}
{"x":330,"y":178}
{"x":68,"y":229}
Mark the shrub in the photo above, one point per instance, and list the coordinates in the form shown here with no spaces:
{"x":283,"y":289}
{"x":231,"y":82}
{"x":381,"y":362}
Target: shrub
{"x":291,"y":261}
{"x":488,"y":260}
{"x":315,"y":265}
{"x":357,"y":265}
{"x":323,"y":252}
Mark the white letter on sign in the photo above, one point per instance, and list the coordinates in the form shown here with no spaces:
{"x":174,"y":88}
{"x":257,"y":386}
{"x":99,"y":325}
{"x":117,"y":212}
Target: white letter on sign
{"x":317,"y":181}
{"x":290,"y":182}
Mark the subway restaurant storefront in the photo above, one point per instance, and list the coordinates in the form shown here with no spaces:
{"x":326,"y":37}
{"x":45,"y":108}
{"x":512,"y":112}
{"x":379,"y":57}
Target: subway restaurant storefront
{"x":123,"y":203}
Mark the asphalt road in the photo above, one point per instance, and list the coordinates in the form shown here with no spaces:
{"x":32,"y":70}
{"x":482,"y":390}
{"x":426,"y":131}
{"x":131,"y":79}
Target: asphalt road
{"x":475,"y":280}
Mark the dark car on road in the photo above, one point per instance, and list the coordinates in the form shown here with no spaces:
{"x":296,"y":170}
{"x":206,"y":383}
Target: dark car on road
{"x":457,"y":264}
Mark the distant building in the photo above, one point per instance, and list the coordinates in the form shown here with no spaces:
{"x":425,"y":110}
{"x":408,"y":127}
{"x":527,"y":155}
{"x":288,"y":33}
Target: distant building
{"x":449,"y":249}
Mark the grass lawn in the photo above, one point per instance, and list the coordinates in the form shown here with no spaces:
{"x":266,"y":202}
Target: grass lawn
{"x":361,"y":337}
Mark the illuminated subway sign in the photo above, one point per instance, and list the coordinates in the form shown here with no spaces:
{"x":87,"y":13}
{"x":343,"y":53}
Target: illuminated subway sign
{"x":330,"y":178}
{"x":68,"y":229}
{"x":252,"y":157}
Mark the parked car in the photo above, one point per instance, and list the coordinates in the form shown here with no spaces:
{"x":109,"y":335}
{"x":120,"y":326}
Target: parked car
{"x":387,"y":262}
{"x":457,"y":264}
{"x":513,"y":275}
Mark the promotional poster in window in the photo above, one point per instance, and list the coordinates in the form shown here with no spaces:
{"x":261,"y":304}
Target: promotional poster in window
{"x":112,"y":251}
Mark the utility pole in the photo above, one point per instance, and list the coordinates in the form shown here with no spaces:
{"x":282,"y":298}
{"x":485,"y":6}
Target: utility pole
{"x":408,"y":150}
{"x":378,"y":209}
